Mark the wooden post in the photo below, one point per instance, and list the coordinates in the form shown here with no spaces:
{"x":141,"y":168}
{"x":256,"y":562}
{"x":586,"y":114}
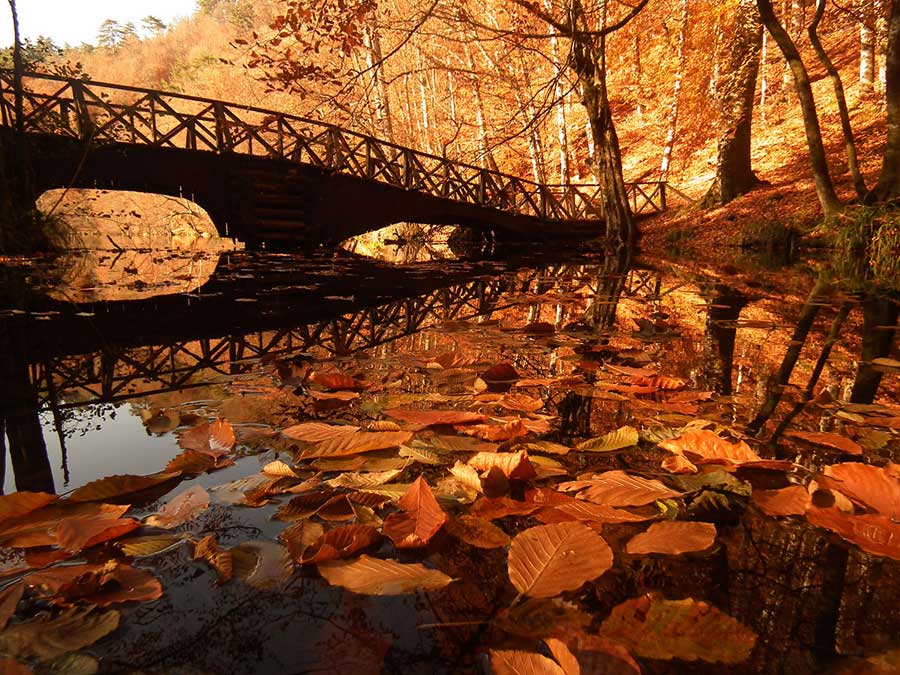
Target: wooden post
{"x":662,"y":195}
{"x":482,"y":187}
{"x":543,"y":201}
{"x":85,"y":124}
{"x":370,"y":164}
{"x":221,"y":132}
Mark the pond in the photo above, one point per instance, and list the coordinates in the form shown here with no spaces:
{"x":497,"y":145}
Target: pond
{"x":334,"y":463}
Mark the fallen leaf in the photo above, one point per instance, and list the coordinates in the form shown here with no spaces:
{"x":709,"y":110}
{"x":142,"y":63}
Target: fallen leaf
{"x":828,"y":440}
{"x":789,"y":501}
{"x":279,"y":469}
{"x":374,"y":576}
{"x":497,"y":432}
{"x":673,"y":537}
{"x":300,"y":536}
{"x":337,"y":381}
{"x":625,"y":437}
{"x":80,"y":532}
{"x":514,"y":465}
{"x":46,"y":638}
{"x":617,"y":488}
{"x":872,"y":532}
{"x":704,"y":446}
{"x":114,"y":488}
{"x":40,"y":527}
{"x":546,"y":560}
{"x":363,"y":481}
{"x":341,"y":542}
{"x":430,"y":418}
{"x":477,"y":532}
{"x":655,"y":628}
{"x":9,"y":600}
{"x":96,"y":584}
{"x":219,"y":559}
{"x":261,"y":564}
{"x":214,"y":439}
{"x":142,"y":547}
{"x":421,"y":519}
{"x":181,"y":509}
{"x":521,"y":403}
{"x":354,"y":444}
{"x":315,"y":432}
{"x":864,"y":484}
{"x":502,"y":373}
{"x":515,"y":662}
{"x":541,"y":617}
{"x":18,"y":504}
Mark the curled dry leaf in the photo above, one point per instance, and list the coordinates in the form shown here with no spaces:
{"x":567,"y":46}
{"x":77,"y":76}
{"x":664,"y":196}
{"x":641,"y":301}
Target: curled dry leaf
{"x":546,"y":560}
{"x":46,"y":638}
{"x":477,"y":532}
{"x":279,"y":469}
{"x":789,"y":501}
{"x":383,"y":425}
{"x":315,"y":432}
{"x":619,"y":439}
{"x":354,"y":444}
{"x":870,"y":486}
{"x":514,"y":465}
{"x":617,"y":488}
{"x":673,"y":537}
{"x":828,"y":440}
{"x":114,"y":488}
{"x":656,"y":628}
{"x":515,"y":662}
{"x":430,"y":418}
{"x":181,"y":509}
{"x":374,"y":576}
{"x":421,"y":519}
{"x":873,"y":532}
{"x":467,"y":476}
{"x":341,"y":542}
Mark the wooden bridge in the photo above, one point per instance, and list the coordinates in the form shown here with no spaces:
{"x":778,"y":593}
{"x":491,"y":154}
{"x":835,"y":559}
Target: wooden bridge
{"x":269,"y":176}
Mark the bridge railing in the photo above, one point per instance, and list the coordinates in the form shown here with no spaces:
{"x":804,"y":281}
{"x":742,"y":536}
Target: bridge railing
{"x":111,"y":113}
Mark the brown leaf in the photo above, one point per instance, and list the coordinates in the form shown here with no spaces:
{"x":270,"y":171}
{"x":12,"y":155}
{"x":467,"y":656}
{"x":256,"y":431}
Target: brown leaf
{"x":659,"y":382}
{"x":300,"y":536}
{"x":497,"y":432}
{"x":421,"y":519}
{"x":515,"y":662}
{"x":514,"y":465}
{"x":39,"y":528}
{"x":789,"y":501}
{"x":374,"y":576}
{"x":706,"y":447}
{"x":354,"y":444}
{"x":477,"y":532}
{"x":501,"y":373}
{"x":315,"y":432}
{"x":521,"y":403}
{"x":214,"y":439}
{"x":181,"y":509}
{"x":589,"y":512}
{"x":341,"y":542}
{"x":431,"y":418}
{"x":140,"y":547}
{"x":541,"y":617}
{"x":102,"y":585}
{"x":546,"y":560}
{"x":673,"y":537}
{"x":872,"y":532}
{"x":191,"y":462}
{"x":279,"y":469}
{"x":679,"y":464}
{"x":9,"y":600}
{"x":596,"y":654}
{"x":835,"y":441}
{"x":219,"y":559}
{"x":617,"y":488}
{"x":656,"y":628}
{"x":18,"y":504}
{"x":337,"y":381}
{"x":13,"y":667}
{"x":46,"y":638}
{"x":545,"y":448}
{"x":870,"y":486}
{"x":114,"y":488}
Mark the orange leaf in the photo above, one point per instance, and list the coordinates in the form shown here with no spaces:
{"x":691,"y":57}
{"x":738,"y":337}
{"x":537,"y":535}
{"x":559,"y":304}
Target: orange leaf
{"x":789,"y":501}
{"x":18,"y":504}
{"x":497,"y":432}
{"x":515,"y":662}
{"x":39,"y":528}
{"x":546,"y":560}
{"x":77,"y":533}
{"x":421,"y":520}
{"x":586,"y":511}
{"x":219,"y":559}
{"x":181,"y":509}
{"x":341,"y":542}
{"x":354,"y":444}
{"x":300,"y":536}
{"x":679,"y":464}
{"x":501,"y":373}
{"x":373,"y":576}
{"x":872,"y":532}
{"x":214,"y":439}
{"x":477,"y":532}
{"x":840,"y":443}
{"x":673,"y":537}
{"x":314,"y":432}
{"x":660,"y":382}
{"x":514,"y":465}
{"x":191,"y":462}
{"x":705,"y":447}
{"x":338,"y":381}
{"x":9,"y":600}
{"x":617,"y":488}
{"x":429,"y":418}
{"x":871,"y":486}
{"x":113,"y":488}
{"x":521,"y":403}
{"x":96,"y":584}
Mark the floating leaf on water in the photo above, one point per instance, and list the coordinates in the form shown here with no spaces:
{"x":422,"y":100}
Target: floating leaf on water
{"x":18,"y":504}
{"x":41,"y":527}
{"x":374,"y":576}
{"x":789,"y":501}
{"x":625,"y":437}
{"x":96,"y":584}
{"x":873,"y":532}
{"x":521,"y":403}
{"x":354,"y":444}
{"x":215,"y":439}
{"x":80,"y":532}
{"x":181,"y":509}
{"x":219,"y":559}
{"x":315,"y":432}
{"x":655,"y":628}
{"x":828,"y":440}
{"x":704,"y":446}
{"x":113,"y":488}
{"x":617,"y":488}
{"x":673,"y":537}
{"x":261,"y":564}
{"x":341,"y":542}
{"x":421,"y":519}
{"x":338,"y":381}
{"x":870,"y":486}
{"x":300,"y":536}
{"x":143,"y":547}
{"x":428,"y":418}
{"x":46,"y":638}
{"x":515,"y":662}
{"x":540,"y":617}
{"x":546,"y":560}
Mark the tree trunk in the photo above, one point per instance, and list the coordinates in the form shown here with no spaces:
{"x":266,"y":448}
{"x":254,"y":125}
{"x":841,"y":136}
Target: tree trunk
{"x":828,"y":199}
{"x":737,"y":87}
{"x":676,"y":96}
{"x":881,"y":41}
{"x":866,"y":54}
{"x":878,"y":313}
{"x":888,"y":188}
{"x":846,"y":129}
{"x":374,"y":63}
{"x":562,"y":139}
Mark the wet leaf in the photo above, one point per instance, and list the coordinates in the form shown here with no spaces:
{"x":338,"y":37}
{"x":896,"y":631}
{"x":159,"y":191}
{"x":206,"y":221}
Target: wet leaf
{"x":706,"y":447}
{"x":625,"y":437}
{"x":18,"y":504}
{"x":337,"y":381}
{"x":40,"y":527}
{"x":300,"y":536}
{"x":430,"y":418}
{"x":315,"y":432}
{"x":514,"y":465}
{"x":143,"y":547}
{"x":521,"y":403}
{"x":421,"y":519}
{"x":540,"y":617}
{"x":9,"y":600}
{"x":789,"y":501}
{"x":215,"y":439}
{"x":219,"y":559}
{"x":374,"y":576}
{"x":828,"y":440}
{"x":363,"y":481}
{"x":673,"y":537}
{"x":870,"y":486}
{"x":546,"y":560}
{"x":261,"y":564}
{"x":617,"y":488}
{"x":181,"y":509}
{"x":80,"y":532}
{"x":502,"y":373}
{"x":354,"y":444}
{"x":341,"y":542}
{"x":872,"y":532}
{"x":45,"y":638}
{"x":114,"y":488}
{"x":191,"y":462}
{"x":514,"y":662}
{"x":279,"y":469}
{"x":477,"y":532}
{"x":656,"y":628}
{"x":102,"y":585}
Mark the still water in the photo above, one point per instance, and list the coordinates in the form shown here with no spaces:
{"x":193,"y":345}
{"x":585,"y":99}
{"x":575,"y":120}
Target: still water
{"x":102,"y":371}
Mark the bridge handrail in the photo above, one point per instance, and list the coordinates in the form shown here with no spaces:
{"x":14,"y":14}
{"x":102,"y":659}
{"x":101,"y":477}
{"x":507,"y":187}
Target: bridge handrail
{"x":396,"y":164}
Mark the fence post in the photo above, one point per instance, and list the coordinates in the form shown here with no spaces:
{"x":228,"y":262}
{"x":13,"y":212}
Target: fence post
{"x":482,"y":186}
{"x":334,"y":148}
{"x":370,"y":165}
{"x":408,"y":170}
{"x":543,"y":201}
{"x":219,"y":114}
{"x":85,"y":124}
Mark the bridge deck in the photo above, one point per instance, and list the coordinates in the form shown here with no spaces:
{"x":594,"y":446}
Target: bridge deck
{"x":117,"y":117}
